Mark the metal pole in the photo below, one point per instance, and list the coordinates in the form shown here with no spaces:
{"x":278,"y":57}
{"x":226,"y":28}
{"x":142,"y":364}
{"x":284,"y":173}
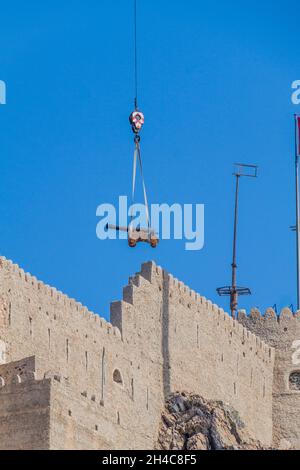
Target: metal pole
{"x":233,"y":290}
{"x":234,"y":296}
{"x":297,"y":213}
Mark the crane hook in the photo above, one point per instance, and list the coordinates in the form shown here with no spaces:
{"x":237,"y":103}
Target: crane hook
{"x":136,"y":120}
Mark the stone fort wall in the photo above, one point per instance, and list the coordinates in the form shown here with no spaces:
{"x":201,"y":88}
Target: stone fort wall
{"x":283,"y":333}
{"x":108,"y":381}
{"x":24,"y":407}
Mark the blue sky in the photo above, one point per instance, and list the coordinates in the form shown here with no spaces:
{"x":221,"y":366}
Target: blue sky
{"x":215,"y":87}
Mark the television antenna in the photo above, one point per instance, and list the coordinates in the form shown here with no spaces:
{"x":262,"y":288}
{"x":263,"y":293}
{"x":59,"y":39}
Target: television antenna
{"x":296,"y":228}
{"x":235,"y":291}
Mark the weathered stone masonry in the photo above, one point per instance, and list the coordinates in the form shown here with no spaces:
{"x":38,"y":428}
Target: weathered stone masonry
{"x":71,"y":380}
{"x":283,"y":334}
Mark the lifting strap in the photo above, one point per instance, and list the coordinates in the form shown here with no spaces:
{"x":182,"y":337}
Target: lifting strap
{"x":137,"y":156}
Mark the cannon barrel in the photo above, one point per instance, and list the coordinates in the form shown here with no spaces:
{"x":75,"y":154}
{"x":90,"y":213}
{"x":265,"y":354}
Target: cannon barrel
{"x":126,"y":229}
{"x":117,"y":227}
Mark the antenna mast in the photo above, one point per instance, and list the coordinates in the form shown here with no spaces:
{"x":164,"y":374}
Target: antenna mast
{"x":234,"y":291}
{"x":297,"y":227}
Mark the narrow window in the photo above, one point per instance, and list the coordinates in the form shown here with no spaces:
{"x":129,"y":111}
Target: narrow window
{"x":294,"y":381}
{"x":30,"y":326}
{"x":49,"y":338}
{"x":67,"y":349}
{"x":86,"y":360}
{"x":117,"y":377}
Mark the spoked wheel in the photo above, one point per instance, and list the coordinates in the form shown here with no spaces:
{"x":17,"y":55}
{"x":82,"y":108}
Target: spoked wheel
{"x":131,"y":243}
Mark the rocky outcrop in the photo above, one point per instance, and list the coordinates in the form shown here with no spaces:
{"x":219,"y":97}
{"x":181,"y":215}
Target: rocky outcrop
{"x":189,"y":422}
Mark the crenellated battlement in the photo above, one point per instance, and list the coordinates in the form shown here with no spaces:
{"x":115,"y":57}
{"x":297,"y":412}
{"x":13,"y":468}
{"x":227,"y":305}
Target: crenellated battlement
{"x":269,"y":316}
{"x":178,"y":293}
{"x":175,"y":293}
{"x":280,"y":331}
{"x":56,"y":297}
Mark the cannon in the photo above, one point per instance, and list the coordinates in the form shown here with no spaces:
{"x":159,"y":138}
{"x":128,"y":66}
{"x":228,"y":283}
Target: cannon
{"x":137,"y":235}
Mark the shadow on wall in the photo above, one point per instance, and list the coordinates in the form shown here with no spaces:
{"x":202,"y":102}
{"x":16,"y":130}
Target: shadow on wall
{"x":165,"y":335}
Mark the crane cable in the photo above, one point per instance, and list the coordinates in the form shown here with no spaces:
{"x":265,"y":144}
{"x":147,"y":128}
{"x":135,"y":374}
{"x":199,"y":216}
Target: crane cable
{"x":135,"y":58}
{"x":136,"y":120}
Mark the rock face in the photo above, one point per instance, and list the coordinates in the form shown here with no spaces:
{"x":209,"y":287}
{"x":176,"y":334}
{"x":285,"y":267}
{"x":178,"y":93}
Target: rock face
{"x":189,"y":422}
